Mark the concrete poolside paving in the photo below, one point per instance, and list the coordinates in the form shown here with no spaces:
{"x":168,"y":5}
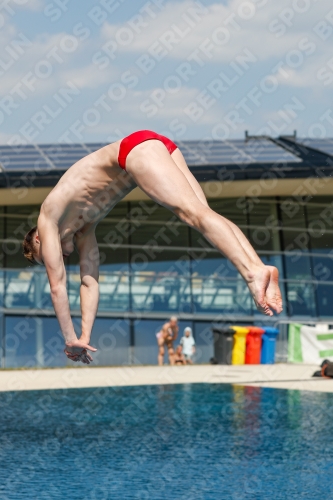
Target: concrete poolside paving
{"x":279,"y":376}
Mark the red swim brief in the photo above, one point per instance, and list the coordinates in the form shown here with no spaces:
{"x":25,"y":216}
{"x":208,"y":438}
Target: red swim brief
{"x":129,"y":142}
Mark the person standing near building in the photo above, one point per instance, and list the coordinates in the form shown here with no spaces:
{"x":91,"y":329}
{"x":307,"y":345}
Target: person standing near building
{"x":166,"y":337}
{"x":188,"y":344}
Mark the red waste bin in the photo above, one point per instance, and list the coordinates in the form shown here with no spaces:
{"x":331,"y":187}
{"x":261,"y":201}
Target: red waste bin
{"x":253,"y":345}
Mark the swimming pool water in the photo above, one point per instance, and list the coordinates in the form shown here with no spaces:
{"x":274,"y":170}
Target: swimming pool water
{"x":199,"y":441}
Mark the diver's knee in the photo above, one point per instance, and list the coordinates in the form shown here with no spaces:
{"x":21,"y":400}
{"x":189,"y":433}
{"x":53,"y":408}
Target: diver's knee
{"x":192,"y":214}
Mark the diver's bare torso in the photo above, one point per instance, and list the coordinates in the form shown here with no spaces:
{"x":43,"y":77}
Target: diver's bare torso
{"x":86,"y":193}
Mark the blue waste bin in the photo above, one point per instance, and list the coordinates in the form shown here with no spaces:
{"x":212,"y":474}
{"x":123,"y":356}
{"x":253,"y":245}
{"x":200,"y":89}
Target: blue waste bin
{"x":268,"y":345}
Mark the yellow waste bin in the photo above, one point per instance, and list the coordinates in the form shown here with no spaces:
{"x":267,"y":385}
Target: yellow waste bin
{"x":238,"y":351}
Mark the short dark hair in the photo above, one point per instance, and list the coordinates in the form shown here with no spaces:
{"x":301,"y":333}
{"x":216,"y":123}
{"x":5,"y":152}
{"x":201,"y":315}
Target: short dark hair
{"x":28,"y":245}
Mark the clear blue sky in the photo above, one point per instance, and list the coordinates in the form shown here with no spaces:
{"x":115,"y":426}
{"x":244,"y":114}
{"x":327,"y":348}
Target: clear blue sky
{"x":95,"y":71}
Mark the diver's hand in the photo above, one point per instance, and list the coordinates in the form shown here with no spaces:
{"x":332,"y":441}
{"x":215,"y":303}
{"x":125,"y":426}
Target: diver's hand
{"x":77,"y":350}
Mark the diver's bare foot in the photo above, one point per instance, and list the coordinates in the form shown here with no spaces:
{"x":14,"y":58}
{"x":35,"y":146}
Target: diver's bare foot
{"x":258,"y":281}
{"x":273,"y":294}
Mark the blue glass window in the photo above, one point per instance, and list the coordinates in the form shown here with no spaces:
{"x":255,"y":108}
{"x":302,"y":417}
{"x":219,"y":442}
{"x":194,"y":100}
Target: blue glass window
{"x":112,"y":339}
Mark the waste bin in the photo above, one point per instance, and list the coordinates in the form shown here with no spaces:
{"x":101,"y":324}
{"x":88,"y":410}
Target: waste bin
{"x":238,"y":351}
{"x":223,"y":343}
{"x":253,"y":345}
{"x":269,"y":345}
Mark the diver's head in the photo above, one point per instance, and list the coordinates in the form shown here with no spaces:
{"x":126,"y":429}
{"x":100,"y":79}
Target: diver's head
{"x":31,"y":247}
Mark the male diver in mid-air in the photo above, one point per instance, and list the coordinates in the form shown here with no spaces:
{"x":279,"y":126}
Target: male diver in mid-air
{"x":87,"y":192}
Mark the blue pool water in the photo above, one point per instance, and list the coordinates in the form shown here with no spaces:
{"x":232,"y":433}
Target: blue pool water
{"x":197,"y":441}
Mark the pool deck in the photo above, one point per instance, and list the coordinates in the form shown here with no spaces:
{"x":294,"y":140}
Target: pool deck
{"x":279,"y":376}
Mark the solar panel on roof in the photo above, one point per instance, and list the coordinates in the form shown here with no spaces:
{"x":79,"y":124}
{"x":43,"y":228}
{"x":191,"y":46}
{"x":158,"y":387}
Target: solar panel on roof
{"x":64,"y":164}
{"x":236,"y":151}
{"x":94,"y":146}
{"x":208,"y":152}
{"x":62,"y":156}
{"x":23,"y":158}
{"x":58,"y":159}
{"x":41,"y":157}
{"x":18,"y":148}
{"x":61,"y":152}
{"x":323,"y":145}
{"x":263,"y":150}
{"x":25,"y":154}
{"x":42,"y":165}
{"x":64,"y":145}
{"x":66,"y":154}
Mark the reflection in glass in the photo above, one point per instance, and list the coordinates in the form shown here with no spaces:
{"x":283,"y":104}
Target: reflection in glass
{"x":145,"y":342}
{"x":160,"y":292}
{"x":298,"y":266}
{"x":292,"y":213}
{"x":26,"y":289}
{"x":157,"y":260}
{"x":114,"y":291}
{"x":319,"y":217}
{"x":2,"y":288}
{"x":295,"y":237}
{"x":263,"y":220}
{"x":31,"y":342}
{"x":220,"y":295}
{"x":325,"y":300}
{"x":20,"y":342}
{"x":323,"y":268}
{"x":2,"y":235}
{"x":212,"y":264}
{"x":162,"y":284}
{"x":112,"y":339}
{"x":114,"y":259}
{"x":115,"y":228}
{"x":161,"y":228}
{"x":301,"y":299}
{"x":204,"y":342}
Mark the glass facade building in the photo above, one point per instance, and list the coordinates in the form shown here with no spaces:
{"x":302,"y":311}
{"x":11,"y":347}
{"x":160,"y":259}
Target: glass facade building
{"x":153,"y":266}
